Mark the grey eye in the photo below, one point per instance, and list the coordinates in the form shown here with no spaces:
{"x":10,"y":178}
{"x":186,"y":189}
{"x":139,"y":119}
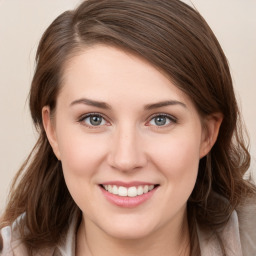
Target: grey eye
{"x":160,"y":120}
{"x":94,"y":120}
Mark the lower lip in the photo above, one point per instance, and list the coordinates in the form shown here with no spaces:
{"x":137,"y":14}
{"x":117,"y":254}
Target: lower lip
{"x":126,"y":201}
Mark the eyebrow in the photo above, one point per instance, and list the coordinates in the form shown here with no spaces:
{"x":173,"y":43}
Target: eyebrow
{"x":98,"y":104}
{"x":103,"y":105}
{"x":164,"y":104}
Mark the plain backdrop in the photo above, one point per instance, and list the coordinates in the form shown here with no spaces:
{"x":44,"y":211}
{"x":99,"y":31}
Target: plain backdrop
{"x":22,"y":23}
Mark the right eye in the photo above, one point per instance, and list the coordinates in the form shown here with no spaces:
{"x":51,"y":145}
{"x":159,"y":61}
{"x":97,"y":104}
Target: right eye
{"x":93,"y":120}
{"x":161,"y":120}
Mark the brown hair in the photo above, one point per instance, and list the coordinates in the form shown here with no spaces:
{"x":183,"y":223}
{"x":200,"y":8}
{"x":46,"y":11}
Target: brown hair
{"x":175,"y":39}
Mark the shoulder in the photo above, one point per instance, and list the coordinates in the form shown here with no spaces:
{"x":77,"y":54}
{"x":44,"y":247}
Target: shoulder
{"x":209,"y":240}
{"x":13,"y":245}
{"x":11,"y":239}
{"x":6,"y":236}
{"x":246,"y":213}
{"x":238,"y":236}
{"x":12,"y":242}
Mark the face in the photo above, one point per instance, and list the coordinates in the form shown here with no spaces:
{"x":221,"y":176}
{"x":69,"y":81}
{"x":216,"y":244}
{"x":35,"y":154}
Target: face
{"x":129,"y":142}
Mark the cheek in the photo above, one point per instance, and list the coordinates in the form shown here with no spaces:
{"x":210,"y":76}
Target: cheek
{"x":178,"y":153}
{"x":81,"y":154}
{"x":81,"y":157}
{"x":178,"y":160}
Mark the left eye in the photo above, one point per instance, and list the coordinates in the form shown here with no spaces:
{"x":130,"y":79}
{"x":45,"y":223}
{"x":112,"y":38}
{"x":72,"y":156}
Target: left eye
{"x":94,"y":120}
{"x":161,"y":120}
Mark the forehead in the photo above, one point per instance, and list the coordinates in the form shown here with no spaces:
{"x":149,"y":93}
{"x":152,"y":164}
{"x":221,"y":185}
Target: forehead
{"x":109,"y":74}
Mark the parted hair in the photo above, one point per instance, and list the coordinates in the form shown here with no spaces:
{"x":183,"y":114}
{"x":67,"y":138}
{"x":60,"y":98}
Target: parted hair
{"x":175,"y":39}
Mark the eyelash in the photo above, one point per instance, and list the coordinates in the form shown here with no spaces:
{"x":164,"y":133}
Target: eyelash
{"x":83,"y":117}
{"x":172,"y":120}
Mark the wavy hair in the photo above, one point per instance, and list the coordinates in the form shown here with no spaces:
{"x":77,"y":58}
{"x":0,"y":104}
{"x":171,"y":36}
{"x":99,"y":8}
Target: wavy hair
{"x":175,"y":39}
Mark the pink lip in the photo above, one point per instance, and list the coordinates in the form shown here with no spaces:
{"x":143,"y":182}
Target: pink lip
{"x":128,"y":184}
{"x":125,"y":201}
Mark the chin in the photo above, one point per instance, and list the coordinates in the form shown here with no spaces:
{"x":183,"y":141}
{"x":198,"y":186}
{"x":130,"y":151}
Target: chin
{"x":129,"y":234}
{"x":130,"y":231}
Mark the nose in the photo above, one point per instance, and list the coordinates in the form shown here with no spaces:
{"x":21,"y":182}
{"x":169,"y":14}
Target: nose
{"x":126,"y":150}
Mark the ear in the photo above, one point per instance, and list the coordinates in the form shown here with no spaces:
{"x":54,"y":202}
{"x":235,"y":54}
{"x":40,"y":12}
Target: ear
{"x":211,"y":127}
{"x":50,"y":130}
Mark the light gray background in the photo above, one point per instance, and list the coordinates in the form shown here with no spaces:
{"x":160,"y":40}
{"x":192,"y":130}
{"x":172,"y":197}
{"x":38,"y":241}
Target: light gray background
{"x":22,"y":23}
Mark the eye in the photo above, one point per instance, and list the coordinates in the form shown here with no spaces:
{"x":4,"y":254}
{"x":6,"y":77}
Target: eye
{"x":93,"y":120}
{"x":162,"y":120}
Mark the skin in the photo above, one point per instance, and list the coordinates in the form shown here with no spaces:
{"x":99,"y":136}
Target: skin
{"x":128,"y":145}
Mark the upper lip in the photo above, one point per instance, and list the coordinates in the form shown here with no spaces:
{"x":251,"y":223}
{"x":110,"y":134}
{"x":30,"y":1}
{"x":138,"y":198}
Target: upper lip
{"x":128,"y":184}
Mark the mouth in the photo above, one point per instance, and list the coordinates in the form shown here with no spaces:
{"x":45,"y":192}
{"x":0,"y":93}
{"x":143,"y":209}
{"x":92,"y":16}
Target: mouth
{"x":132,"y":191}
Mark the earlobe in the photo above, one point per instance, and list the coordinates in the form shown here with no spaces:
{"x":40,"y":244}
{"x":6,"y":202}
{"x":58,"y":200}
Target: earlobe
{"x":210,"y":132}
{"x":50,"y":130}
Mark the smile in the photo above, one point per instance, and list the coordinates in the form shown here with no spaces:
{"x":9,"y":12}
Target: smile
{"x":128,"y":195}
{"x":128,"y":191}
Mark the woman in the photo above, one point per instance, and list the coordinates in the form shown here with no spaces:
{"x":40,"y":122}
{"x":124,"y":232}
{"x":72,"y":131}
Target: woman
{"x":140,"y":150}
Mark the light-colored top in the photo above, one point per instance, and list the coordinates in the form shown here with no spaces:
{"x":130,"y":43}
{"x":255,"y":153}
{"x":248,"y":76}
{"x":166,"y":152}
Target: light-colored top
{"x":238,"y":236}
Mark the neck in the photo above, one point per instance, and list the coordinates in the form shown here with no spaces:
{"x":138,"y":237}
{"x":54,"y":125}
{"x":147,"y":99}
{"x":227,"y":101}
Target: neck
{"x":171,"y":240}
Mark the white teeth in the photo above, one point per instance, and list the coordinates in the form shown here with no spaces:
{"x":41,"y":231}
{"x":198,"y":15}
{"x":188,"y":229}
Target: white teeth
{"x":115,"y":190}
{"x":145,"y":189}
{"x":131,"y":191}
{"x":140,"y":190}
{"x":122,"y":191}
{"x":110,"y":188}
{"x":150,"y":187}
